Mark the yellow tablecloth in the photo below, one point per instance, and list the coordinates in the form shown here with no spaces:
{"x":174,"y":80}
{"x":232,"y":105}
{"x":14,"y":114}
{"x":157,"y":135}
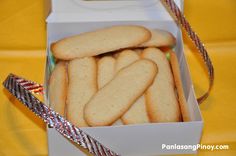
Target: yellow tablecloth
{"x":22,"y":44}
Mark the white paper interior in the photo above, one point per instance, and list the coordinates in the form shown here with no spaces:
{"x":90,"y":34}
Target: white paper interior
{"x":129,"y":10}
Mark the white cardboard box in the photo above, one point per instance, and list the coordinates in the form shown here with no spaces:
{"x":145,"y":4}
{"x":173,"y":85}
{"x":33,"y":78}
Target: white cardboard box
{"x":69,"y":17}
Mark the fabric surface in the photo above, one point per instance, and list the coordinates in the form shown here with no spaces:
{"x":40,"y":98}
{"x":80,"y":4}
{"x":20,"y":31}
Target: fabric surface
{"x":22,"y":52}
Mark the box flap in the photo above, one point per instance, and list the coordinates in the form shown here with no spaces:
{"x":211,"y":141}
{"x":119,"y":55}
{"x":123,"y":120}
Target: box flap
{"x":118,"y":10}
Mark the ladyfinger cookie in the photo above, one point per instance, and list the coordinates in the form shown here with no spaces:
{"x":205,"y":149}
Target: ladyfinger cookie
{"x":137,"y":113}
{"x":106,"y":70}
{"x":100,"y":41}
{"x":58,"y":88}
{"x":82,"y":86}
{"x":179,"y":87}
{"x":125,"y":58}
{"x":160,"y":38}
{"x":115,"y":98}
{"x":161,"y":101}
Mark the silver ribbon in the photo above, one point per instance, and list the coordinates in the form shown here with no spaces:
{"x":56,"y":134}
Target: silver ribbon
{"x":176,"y":12}
{"x":22,"y":89}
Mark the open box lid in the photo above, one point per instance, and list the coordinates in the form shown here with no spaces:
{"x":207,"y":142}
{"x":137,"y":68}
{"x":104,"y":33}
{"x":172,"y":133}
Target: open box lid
{"x":115,"y":10}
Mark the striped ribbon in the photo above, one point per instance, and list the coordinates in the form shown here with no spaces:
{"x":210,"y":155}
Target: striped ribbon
{"x":22,"y":89}
{"x":176,"y":12}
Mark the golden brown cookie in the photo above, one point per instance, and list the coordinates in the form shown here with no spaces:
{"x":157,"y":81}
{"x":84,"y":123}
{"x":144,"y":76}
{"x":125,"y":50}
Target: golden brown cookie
{"x":82,"y":86}
{"x":100,"y":41}
{"x":115,"y":98}
{"x":160,"y":38}
{"x":137,"y":113}
{"x":179,"y":87}
{"x":106,"y":70}
{"x":161,"y":100}
{"x":57,"y":89}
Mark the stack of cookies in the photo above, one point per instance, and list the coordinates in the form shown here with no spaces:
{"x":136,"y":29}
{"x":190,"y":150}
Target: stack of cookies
{"x":117,"y":75}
